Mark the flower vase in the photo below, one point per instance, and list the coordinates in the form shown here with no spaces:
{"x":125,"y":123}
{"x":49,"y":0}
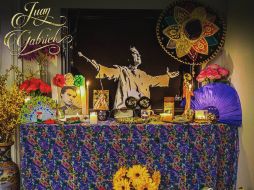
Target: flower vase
{"x":9,"y":172}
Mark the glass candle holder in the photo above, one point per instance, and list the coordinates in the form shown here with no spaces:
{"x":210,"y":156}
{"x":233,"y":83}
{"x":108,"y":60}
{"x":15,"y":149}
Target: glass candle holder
{"x":93,"y":118}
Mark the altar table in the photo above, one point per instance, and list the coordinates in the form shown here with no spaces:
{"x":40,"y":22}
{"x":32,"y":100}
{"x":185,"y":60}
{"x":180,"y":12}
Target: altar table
{"x":67,"y":157}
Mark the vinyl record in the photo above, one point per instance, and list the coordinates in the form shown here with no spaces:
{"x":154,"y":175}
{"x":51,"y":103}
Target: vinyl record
{"x":131,"y":102}
{"x":144,"y":102}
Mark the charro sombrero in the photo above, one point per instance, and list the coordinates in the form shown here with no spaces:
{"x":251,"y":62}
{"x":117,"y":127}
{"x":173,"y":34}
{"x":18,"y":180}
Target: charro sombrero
{"x":190,"y":32}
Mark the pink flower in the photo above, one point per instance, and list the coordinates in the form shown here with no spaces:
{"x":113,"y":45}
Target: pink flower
{"x":224,"y":72}
{"x":203,"y":72}
{"x":217,"y":76}
{"x":213,"y":66}
{"x":200,"y":78}
{"x":211,"y":73}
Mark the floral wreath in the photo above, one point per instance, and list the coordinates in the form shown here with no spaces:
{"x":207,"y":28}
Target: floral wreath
{"x":190,"y":32}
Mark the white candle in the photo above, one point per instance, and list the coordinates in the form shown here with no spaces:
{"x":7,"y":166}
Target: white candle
{"x":93,"y":118}
{"x":83,"y":98}
{"x":87,"y":97}
{"x":200,"y":114}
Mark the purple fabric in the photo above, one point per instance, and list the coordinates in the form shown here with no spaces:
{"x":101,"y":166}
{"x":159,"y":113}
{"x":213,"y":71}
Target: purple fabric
{"x":86,"y":157}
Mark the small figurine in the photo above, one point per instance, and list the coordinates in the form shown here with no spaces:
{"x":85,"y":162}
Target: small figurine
{"x":187,"y":91}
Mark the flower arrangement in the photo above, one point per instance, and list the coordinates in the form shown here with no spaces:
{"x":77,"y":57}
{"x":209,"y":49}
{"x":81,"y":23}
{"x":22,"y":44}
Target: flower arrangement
{"x":35,"y":87}
{"x":11,"y":102}
{"x":213,"y":73}
{"x":60,"y":80}
{"x":136,"y":178}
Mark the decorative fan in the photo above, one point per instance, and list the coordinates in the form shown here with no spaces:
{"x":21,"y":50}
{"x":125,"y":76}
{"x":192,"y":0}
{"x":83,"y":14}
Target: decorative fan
{"x":43,"y":104}
{"x":190,"y":32}
{"x":220,"y":99}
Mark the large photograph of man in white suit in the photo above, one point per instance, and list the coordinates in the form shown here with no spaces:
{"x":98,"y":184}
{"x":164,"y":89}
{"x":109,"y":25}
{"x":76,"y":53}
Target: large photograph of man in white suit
{"x":131,"y":80}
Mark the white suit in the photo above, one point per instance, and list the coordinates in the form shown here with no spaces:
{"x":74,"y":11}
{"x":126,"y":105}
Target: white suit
{"x":131,"y":82}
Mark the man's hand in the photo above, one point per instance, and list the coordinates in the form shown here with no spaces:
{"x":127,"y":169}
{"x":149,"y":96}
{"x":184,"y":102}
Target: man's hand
{"x":172,"y":74}
{"x":93,"y":62}
{"x":80,"y":54}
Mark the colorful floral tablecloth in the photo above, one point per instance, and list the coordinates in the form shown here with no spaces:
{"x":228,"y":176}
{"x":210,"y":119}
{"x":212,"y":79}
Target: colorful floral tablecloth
{"x":86,"y":157}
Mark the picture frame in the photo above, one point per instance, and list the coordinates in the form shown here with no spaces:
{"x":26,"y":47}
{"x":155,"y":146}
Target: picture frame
{"x":101,"y":99}
{"x":71,"y":99}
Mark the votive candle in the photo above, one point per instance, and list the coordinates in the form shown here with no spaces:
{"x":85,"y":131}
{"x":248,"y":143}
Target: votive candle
{"x":93,"y":118}
{"x":167,"y":117}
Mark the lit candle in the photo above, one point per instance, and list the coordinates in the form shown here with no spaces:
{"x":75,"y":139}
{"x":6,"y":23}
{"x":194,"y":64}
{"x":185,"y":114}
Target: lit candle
{"x":87,"y":97}
{"x":200,"y":114}
{"x":167,"y":117}
{"x":83,"y":98}
{"x":93,"y":118}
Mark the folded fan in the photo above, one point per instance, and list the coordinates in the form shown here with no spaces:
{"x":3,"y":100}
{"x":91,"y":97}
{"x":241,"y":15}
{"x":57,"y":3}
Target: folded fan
{"x":224,"y":98}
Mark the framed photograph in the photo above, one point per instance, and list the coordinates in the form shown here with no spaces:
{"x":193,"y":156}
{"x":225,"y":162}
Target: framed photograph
{"x":70,"y":98}
{"x":101,"y":99}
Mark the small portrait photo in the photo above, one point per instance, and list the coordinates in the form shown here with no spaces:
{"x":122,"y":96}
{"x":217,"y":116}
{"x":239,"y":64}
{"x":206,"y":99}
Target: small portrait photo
{"x":101,"y":99}
{"x":70,"y":100}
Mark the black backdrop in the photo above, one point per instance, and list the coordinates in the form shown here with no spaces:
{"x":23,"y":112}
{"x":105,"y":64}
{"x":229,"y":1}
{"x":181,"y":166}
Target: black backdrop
{"x":106,"y":36}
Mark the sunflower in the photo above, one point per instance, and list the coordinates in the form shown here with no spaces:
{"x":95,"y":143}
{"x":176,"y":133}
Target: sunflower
{"x":156,"y":178}
{"x":138,"y":175}
{"x":120,"y":174}
{"x":149,"y":185}
{"x":122,"y":184}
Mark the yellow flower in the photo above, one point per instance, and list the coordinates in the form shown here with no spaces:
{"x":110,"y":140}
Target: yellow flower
{"x":11,"y":102}
{"x":149,"y":185}
{"x":138,"y":175}
{"x":69,"y":79}
{"x":120,"y":174}
{"x":122,"y":184}
{"x":156,"y":178}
